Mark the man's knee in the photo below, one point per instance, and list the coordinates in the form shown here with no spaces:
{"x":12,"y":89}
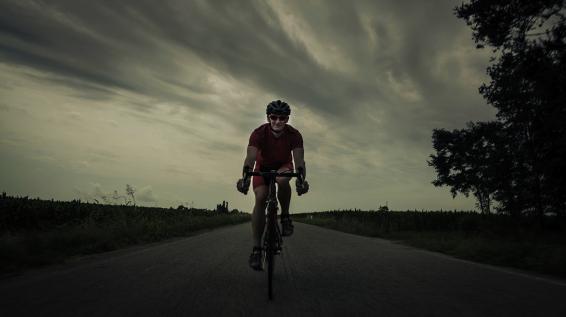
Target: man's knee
{"x":283,"y":182}
{"x":260,"y":194}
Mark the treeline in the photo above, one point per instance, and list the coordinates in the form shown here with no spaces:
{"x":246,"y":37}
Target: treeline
{"x":515,"y":164}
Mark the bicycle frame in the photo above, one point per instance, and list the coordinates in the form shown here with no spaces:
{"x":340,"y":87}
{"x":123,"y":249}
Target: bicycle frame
{"x":272,"y":239}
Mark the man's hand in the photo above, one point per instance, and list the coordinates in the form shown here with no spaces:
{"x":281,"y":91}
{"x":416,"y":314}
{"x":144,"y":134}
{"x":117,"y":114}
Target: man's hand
{"x":302,"y":187}
{"x":243,"y":185}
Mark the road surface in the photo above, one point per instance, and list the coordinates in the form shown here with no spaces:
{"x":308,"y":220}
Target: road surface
{"x":321,"y":272}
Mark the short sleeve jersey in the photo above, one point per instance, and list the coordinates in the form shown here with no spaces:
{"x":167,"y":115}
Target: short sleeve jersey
{"x":274,"y":152}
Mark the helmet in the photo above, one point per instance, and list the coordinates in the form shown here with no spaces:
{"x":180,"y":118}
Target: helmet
{"x":278,"y":107}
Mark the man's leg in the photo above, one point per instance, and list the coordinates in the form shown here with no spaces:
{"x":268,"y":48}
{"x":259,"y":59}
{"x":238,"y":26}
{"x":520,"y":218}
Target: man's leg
{"x":258,"y":216}
{"x":284,"y":197}
{"x":284,"y":192}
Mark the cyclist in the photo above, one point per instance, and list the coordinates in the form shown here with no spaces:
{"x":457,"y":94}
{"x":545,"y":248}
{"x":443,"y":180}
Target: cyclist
{"x":270,"y":147}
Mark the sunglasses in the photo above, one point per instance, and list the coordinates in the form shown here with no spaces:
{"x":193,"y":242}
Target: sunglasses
{"x":280,"y":118}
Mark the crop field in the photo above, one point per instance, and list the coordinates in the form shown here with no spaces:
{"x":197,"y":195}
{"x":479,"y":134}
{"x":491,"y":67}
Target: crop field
{"x":489,"y":238}
{"x":35,"y":232}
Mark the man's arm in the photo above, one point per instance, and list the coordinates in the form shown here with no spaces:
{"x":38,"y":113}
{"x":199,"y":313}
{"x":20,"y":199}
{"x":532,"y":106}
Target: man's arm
{"x":250,"y":158}
{"x":243,"y":184}
{"x":299,"y":158}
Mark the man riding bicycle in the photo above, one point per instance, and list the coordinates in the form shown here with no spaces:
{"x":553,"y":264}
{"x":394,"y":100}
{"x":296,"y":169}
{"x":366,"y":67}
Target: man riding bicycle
{"x":270,"y":147}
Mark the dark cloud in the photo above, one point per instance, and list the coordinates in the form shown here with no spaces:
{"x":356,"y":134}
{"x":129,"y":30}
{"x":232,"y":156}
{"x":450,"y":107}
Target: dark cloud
{"x":107,"y":43}
{"x":247,"y":42}
{"x":379,"y":75}
{"x":94,"y":43}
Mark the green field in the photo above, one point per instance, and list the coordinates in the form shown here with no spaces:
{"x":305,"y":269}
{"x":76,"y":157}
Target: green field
{"x":36,"y":232}
{"x":493,"y":239}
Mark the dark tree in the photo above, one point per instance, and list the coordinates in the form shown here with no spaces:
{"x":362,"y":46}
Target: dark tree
{"x":470,"y":160}
{"x":222,"y":208}
{"x":507,"y":25}
{"x":527,"y":87}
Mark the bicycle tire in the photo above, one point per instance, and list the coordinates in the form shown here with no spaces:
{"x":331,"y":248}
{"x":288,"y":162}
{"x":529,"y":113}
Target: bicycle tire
{"x":271,"y":247}
{"x":270,"y":268}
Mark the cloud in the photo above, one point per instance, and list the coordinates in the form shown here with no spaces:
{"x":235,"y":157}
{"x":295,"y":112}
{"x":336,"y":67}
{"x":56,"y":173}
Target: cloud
{"x":96,"y":193}
{"x":374,"y":60}
{"x":145,"y":195}
{"x":178,"y":86}
{"x":101,"y":194}
{"x":93,"y":194}
{"x":137,"y":45}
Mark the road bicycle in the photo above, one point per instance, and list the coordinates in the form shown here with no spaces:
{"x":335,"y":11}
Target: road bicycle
{"x":272,"y":239}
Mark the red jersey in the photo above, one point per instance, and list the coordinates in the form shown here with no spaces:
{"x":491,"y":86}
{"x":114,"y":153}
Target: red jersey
{"x":274,"y":152}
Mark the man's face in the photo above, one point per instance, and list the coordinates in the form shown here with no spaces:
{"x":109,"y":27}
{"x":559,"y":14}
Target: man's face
{"x":277,"y":122}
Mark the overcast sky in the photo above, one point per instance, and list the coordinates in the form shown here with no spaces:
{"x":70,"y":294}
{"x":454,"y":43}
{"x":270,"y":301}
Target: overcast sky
{"x":163,"y":95}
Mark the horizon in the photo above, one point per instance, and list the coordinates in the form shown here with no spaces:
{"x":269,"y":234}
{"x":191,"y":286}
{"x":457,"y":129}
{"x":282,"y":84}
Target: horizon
{"x":164,"y":97}
{"x":6,"y":195}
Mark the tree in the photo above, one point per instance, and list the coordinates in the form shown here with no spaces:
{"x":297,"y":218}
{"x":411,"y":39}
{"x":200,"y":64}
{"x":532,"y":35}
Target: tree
{"x":130,"y":191}
{"x":527,"y":87}
{"x":222,"y":208}
{"x":467,"y":160}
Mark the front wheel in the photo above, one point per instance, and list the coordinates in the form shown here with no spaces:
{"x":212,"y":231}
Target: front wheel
{"x":271,"y":247}
{"x":270,"y":267}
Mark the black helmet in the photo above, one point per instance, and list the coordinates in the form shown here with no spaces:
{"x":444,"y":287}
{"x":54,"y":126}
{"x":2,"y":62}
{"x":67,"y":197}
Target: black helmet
{"x":278,"y":107}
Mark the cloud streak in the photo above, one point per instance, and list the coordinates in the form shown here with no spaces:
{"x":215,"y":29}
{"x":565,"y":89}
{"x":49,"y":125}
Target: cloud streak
{"x":368,"y":81}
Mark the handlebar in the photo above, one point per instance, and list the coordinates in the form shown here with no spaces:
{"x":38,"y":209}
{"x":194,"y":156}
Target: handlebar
{"x":274,"y":174}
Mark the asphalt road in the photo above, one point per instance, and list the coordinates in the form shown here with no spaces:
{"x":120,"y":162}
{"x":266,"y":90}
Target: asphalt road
{"x":320,"y":272}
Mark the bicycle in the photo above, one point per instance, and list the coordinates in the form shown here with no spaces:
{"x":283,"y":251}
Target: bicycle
{"x":272,"y":239}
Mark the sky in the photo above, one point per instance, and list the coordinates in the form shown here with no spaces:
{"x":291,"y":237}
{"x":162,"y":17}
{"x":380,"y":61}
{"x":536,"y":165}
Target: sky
{"x":163,"y":96}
